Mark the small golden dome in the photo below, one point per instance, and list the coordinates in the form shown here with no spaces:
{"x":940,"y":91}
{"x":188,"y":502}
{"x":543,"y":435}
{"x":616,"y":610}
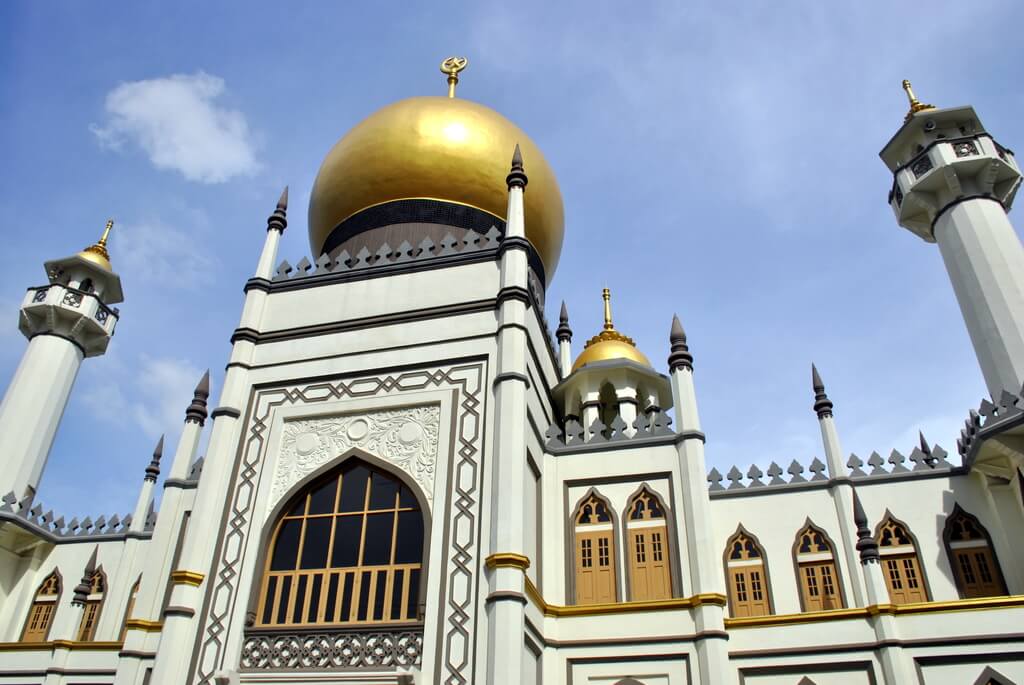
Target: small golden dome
{"x":441,"y":148}
{"x":97,"y":252}
{"x":609,"y":344}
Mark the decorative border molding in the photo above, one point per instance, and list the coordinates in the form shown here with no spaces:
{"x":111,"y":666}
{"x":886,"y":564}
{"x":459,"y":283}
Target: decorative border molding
{"x":144,"y":625}
{"x":182,"y":577}
{"x":329,"y":650}
{"x":70,"y":645}
{"x":556,"y":610}
{"x":507,"y":560}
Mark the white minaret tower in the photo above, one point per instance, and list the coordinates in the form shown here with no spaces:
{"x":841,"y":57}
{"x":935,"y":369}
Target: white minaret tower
{"x":65,"y":321}
{"x":953,"y":186}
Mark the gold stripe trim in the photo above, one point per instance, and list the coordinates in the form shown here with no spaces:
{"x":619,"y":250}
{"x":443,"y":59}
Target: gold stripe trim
{"x":508,"y":560}
{"x":187,"y":578}
{"x":58,"y":644}
{"x":981,"y":604}
{"x":144,"y":625}
{"x":556,"y":610}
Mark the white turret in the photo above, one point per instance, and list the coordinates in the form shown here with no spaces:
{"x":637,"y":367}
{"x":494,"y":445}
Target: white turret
{"x":953,"y":186}
{"x":65,"y":321}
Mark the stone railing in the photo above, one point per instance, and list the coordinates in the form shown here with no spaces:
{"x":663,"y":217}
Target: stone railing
{"x":31,"y":516}
{"x":575,"y":438}
{"x":329,"y":649}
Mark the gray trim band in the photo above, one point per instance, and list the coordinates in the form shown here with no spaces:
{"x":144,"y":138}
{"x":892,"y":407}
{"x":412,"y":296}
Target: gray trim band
{"x":62,"y":337}
{"x":506,"y":596}
{"x":960,"y":200}
{"x":179,"y":611}
{"x":225,"y":411}
{"x":134,"y":654}
{"x":180,"y":483}
{"x":510,"y":376}
{"x":256,"y":283}
{"x":626,"y":443}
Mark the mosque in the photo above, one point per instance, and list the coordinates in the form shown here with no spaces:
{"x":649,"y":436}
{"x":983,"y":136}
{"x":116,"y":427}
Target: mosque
{"x":412,"y":477}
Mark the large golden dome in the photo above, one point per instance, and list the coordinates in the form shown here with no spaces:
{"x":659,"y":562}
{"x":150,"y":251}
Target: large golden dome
{"x":439,"y":148}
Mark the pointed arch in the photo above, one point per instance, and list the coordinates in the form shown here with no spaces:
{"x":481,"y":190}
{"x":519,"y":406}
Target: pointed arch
{"x":93,"y":606}
{"x":746,"y":575}
{"x":44,"y":606}
{"x":593,"y":521}
{"x":991,"y":676}
{"x":348,"y":546}
{"x":649,"y":556}
{"x":130,"y":606}
{"x":969,"y":548}
{"x":816,"y":570}
{"x":901,"y":563}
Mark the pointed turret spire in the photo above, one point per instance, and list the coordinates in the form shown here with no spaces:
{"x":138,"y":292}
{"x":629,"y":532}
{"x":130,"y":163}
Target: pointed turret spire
{"x":97,"y":252}
{"x":822,"y":404}
{"x":563,"y":332}
{"x":84,"y":587}
{"x":915,"y":104}
{"x":866,"y":544}
{"x":679,"y":357}
{"x":278,"y":221}
{"x":153,"y":470}
{"x":196,"y":412}
{"x":517,"y":176}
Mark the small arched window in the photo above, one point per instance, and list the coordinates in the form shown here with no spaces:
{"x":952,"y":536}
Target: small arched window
{"x":348,"y":550}
{"x":901,"y":563}
{"x":746,"y":577}
{"x":595,"y":552}
{"x":816,"y":571}
{"x":974,"y":564}
{"x":132,"y":595}
{"x":40,"y":615}
{"x":649,"y":576}
{"x":93,"y":604}
{"x":86,"y":285}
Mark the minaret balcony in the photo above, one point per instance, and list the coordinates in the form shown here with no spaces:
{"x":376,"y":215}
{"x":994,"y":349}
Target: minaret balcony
{"x":72,"y":313}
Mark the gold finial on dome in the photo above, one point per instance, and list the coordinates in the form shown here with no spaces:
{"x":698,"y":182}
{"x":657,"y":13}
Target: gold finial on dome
{"x":97,"y":252}
{"x":606,"y":295}
{"x":609,"y":344}
{"x":452,"y":66}
{"x":915,"y":104}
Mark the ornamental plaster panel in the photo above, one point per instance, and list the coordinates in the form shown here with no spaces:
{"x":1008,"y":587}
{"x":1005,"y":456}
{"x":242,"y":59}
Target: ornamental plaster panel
{"x":405,"y":437}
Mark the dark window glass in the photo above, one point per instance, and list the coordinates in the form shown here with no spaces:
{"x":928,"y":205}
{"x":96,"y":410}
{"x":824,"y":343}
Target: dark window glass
{"x":346,"y":597}
{"x":346,"y":541}
{"x":382,"y":491}
{"x":364,"y":595}
{"x":409,"y":540}
{"x":377,"y":544}
{"x":287,"y":547}
{"x":378,"y":598}
{"x":299,"y":508}
{"x":414,"y":593}
{"x":406,"y":498}
{"x":300,"y":597}
{"x":321,"y":500}
{"x":268,"y":606}
{"x":332,"y":597}
{"x":396,"y":596}
{"x":314,"y":547}
{"x":314,"y":597}
{"x":353,"y":489}
{"x":282,"y":605}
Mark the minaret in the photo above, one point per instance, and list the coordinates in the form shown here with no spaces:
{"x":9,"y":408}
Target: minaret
{"x":953,"y":185}
{"x":145,"y":500}
{"x":564,"y":335}
{"x":65,"y":321}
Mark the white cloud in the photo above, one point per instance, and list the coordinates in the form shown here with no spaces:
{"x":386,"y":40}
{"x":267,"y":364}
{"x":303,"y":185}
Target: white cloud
{"x":158,"y":253}
{"x":177,"y":122}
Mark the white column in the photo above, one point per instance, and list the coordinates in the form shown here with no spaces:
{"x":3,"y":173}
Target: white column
{"x":628,"y":406}
{"x":32,"y":409}
{"x":275,"y":227}
{"x":985,"y":261}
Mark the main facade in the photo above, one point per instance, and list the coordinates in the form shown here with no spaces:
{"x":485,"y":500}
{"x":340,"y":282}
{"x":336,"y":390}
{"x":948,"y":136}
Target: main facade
{"x":410,"y":479}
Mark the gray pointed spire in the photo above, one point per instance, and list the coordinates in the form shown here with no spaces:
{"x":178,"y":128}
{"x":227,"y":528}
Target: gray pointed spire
{"x":517,"y":176}
{"x":278,"y":221}
{"x":679,"y":357}
{"x":822,"y":404}
{"x":563,"y":332}
{"x":866,"y":544}
{"x":153,"y":470}
{"x":196,"y":412}
{"x":84,"y":587}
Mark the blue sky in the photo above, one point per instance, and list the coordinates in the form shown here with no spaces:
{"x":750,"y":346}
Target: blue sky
{"x":718,"y":161}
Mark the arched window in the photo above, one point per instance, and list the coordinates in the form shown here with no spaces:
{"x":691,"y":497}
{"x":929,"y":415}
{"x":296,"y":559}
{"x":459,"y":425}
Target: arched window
{"x":93,"y":604}
{"x":746,"y":576}
{"x":901,"y":563}
{"x":974,"y":564}
{"x":816,"y":571}
{"x":132,"y":595}
{"x":348,"y":550}
{"x":595,"y":552}
{"x":40,"y":615}
{"x":647,"y":534}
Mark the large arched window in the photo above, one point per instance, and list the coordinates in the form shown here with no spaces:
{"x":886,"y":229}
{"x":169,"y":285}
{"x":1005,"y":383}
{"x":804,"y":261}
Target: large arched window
{"x":595,"y":552}
{"x":970,"y":552}
{"x":816,"y":571}
{"x":649,"y":558}
{"x":40,"y":615}
{"x":901,"y":563}
{"x":746,"y":576}
{"x":348,"y":550}
{"x":93,"y":604}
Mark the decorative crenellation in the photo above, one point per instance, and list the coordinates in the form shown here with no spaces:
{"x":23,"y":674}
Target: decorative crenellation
{"x":988,"y":414}
{"x":925,"y":460}
{"x":30,"y":514}
{"x":78,"y":315}
{"x":572,"y":434}
{"x":299,"y":651}
{"x":387,"y":256}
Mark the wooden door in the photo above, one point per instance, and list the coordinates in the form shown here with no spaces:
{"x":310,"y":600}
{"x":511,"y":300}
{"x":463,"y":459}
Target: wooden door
{"x":595,"y":570}
{"x":977,"y":571}
{"x":747,"y":595}
{"x":819,"y":586}
{"x":38,"y":624}
{"x":649,"y":570}
{"x":903,"y":576}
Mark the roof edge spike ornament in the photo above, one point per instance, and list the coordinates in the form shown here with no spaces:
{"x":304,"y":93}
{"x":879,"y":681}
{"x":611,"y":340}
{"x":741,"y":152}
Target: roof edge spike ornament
{"x":517,"y":175}
{"x":196,"y":412}
{"x":451,"y":67}
{"x":153,"y":470}
{"x":822,"y":404}
{"x":866,"y":544}
{"x":97,"y":252}
{"x":563,"y":332}
{"x":915,"y":104}
{"x":679,"y":357}
{"x":278,"y":221}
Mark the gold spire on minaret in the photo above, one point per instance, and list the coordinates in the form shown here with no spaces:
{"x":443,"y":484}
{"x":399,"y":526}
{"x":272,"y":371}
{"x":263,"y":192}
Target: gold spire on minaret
{"x":452,"y":66}
{"x":97,"y":252}
{"x":609,"y":343}
{"x":915,"y":104}
{"x":606,"y":295}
